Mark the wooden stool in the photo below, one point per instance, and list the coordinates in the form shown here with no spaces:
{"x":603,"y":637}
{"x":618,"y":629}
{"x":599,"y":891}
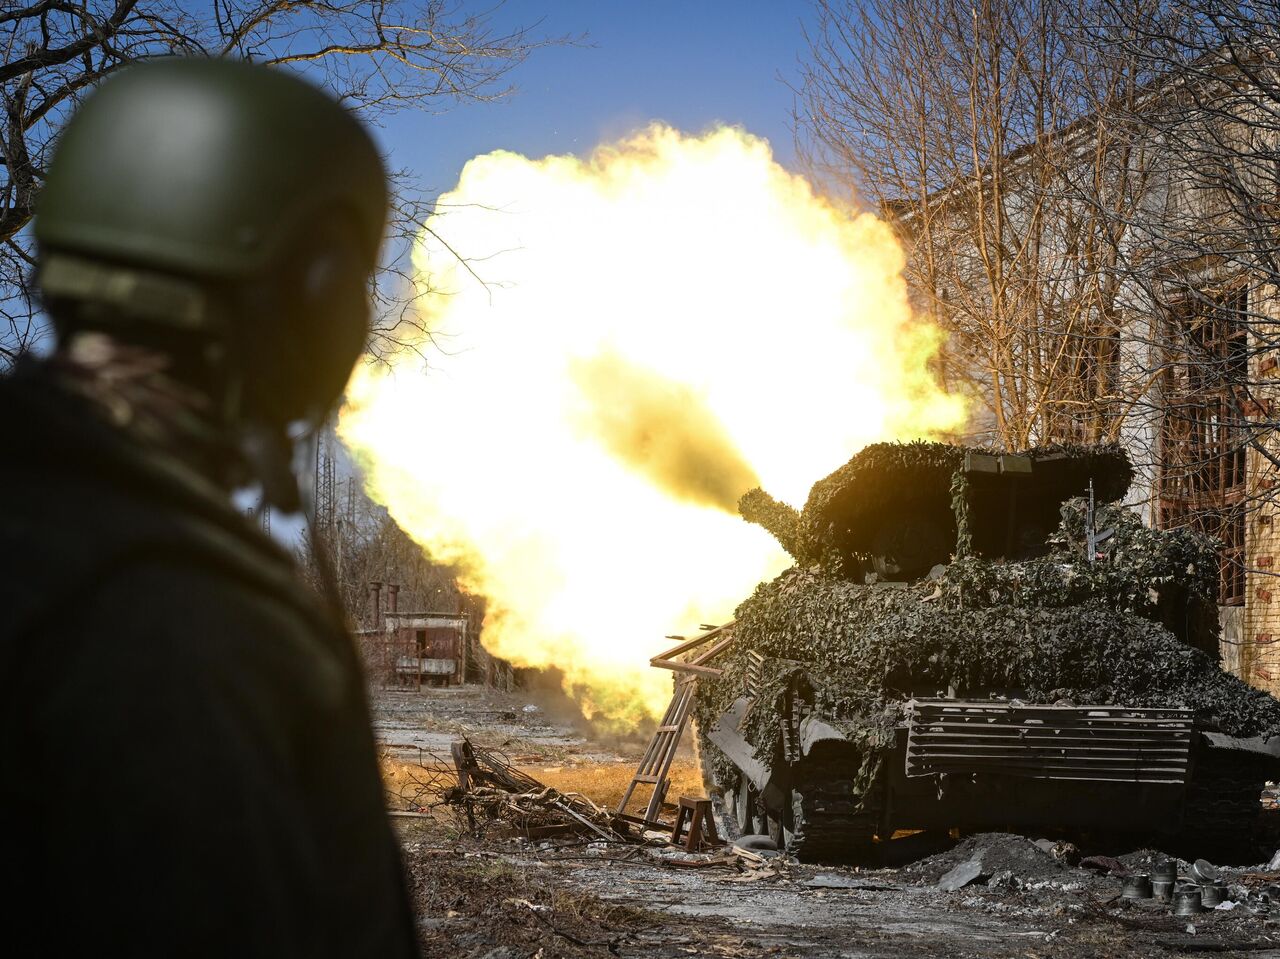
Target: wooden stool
{"x":702,"y":823}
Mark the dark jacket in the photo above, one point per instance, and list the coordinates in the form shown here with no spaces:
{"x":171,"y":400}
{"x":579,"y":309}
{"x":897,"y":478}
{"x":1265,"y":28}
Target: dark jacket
{"x":187,"y":766}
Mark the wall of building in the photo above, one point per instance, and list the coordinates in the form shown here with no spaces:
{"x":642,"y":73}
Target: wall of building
{"x":1259,"y":651}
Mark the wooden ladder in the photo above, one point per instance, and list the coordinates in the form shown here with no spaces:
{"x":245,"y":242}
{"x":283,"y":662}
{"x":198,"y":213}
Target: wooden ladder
{"x":657,"y":760}
{"x":656,"y":764}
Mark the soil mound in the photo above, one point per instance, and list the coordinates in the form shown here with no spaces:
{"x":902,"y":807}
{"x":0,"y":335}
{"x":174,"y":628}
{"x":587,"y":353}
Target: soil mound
{"x":998,"y":853}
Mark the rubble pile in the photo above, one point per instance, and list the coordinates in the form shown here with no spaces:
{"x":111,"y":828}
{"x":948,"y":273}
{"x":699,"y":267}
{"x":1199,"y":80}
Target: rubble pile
{"x":492,"y":793}
{"x":1145,"y":883}
{"x":1004,"y":856}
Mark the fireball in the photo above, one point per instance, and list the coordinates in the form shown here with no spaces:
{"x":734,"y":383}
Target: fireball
{"x":618,"y":347}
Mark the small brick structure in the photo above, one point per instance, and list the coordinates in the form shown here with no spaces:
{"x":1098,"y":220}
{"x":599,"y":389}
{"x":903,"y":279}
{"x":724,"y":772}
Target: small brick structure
{"x":417,"y":649}
{"x":424,"y":649}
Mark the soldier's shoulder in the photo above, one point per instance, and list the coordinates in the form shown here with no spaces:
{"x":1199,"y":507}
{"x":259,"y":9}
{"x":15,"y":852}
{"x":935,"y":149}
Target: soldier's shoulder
{"x":186,"y":620}
{"x":83,"y":506}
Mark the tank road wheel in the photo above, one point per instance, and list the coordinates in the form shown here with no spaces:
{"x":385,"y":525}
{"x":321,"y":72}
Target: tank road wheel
{"x":747,"y":809}
{"x":781,"y":826}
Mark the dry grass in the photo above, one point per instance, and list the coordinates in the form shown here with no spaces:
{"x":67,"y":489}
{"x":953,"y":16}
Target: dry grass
{"x":605,"y":783}
{"x":416,"y":786}
{"x":419,"y":786}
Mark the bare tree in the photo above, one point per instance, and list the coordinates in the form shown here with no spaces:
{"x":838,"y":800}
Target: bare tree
{"x":361,"y":545}
{"x":378,"y":56}
{"x":1091,"y":196}
{"x":989,"y":131}
{"x":366,"y":546}
{"x":1211,"y":274}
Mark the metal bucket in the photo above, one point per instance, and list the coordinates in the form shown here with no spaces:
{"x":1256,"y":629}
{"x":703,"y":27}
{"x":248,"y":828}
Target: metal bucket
{"x":1186,"y":901}
{"x":1204,"y":872}
{"x":1137,"y":887}
{"x":1213,"y":895}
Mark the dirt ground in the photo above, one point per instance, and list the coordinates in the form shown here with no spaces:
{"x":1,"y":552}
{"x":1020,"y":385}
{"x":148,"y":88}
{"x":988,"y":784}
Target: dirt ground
{"x":500,"y":896}
{"x":416,"y":730}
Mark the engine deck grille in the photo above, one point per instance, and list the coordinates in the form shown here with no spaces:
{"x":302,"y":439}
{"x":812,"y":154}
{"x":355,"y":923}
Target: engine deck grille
{"x":1099,"y":743}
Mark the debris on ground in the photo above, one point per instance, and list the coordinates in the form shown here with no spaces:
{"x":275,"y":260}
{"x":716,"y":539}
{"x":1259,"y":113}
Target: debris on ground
{"x":500,"y":894}
{"x":832,"y":881}
{"x":756,"y":843}
{"x":419,"y":785}
{"x":460,"y":914}
{"x":490,"y":791}
{"x":1204,"y":872}
{"x":960,"y":876}
{"x":1105,"y":865}
{"x":1064,"y":852}
{"x":991,"y":853}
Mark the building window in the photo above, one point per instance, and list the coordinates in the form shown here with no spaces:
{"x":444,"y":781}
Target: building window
{"x":1086,"y":386}
{"x":420,"y":637}
{"x":1201,"y":479}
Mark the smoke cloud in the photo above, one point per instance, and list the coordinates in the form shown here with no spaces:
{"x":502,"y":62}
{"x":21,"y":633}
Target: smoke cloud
{"x":617,"y":346}
{"x":662,"y":429}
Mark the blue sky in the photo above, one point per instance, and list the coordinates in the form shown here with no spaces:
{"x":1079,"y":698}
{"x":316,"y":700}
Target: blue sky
{"x":689,"y":64}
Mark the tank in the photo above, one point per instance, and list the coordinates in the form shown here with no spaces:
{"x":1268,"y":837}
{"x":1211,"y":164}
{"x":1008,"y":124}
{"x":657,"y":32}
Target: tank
{"x":977,"y":640}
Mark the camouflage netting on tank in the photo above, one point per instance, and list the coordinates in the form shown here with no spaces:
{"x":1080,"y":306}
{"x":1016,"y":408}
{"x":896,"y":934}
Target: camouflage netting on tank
{"x":870,"y":485}
{"x":1142,"y":571}
{"x":866,"y":718}
{"x":875,"y":479}
{"x":778,"y":518}
{"x":883,"y":477}
{"x":1054,"y":628}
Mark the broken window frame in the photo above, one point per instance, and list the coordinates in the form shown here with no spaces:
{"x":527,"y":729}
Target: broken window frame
{"x":1201,"y":478}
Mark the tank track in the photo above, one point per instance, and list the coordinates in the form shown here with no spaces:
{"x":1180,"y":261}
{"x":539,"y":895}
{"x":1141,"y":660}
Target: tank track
{"x":1222,"y":818}
{"x":829,"y":821}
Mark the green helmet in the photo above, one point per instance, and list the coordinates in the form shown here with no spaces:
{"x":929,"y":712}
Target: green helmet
{"x":225,"y":199}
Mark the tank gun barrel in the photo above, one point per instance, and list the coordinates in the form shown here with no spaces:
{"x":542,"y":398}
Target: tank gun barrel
{"x":781,"y":520}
